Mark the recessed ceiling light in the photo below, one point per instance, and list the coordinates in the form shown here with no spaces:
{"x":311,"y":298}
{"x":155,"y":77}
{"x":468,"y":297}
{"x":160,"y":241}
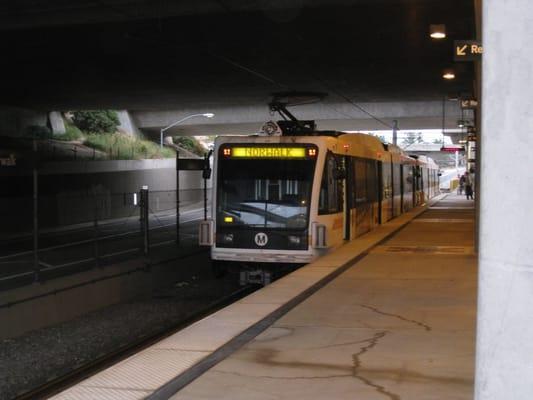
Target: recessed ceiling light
{"x":448,"y":75}
{"x":437,"y":31}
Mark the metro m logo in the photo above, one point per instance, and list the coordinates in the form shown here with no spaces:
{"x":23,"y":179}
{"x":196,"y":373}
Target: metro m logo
{"x":261,"y":239}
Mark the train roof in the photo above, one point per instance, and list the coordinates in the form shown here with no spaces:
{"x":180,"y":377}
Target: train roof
{"x":428,"y":161}
{"x":360,"y":142}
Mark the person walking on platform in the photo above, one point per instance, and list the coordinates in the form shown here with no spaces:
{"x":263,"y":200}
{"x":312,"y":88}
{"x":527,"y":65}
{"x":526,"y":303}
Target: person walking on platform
{"x":461,"y":186}
{"x":468,"y":187}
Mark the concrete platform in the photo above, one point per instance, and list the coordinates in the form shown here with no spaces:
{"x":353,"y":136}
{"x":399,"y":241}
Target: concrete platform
{"x":389,"y":314}
{"x":398,"y":324}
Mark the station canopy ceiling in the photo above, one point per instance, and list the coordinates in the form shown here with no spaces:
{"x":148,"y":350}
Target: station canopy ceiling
{"x":141,"y":54}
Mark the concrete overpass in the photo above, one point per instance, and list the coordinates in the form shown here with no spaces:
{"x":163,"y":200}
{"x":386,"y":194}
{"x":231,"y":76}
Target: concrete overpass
{"x":165,"y":60}
{"x":333,"y":114}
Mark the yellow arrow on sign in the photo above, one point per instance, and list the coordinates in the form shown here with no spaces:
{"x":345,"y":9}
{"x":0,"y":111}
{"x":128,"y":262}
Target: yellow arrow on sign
{"x":461,"y":50}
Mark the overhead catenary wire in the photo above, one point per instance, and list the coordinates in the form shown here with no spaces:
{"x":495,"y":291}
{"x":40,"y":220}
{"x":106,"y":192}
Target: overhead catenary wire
{"x":362,"y":109}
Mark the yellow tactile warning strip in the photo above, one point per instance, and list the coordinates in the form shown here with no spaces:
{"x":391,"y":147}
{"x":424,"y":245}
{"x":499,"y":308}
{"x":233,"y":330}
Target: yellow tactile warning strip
{"x":131,"y":373}
{"x":90,"y":393}
{"x":444,"y":250}
{"x":135,"y":377}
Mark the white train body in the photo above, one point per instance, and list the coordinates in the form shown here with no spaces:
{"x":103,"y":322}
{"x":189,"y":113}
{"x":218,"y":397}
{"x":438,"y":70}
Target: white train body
{"x":288,"y":199}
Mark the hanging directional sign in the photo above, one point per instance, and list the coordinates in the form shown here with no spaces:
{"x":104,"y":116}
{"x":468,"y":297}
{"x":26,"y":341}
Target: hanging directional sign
{"x":468,"y":104}
{"x":452,"y":149}
{"x":467,"y":50}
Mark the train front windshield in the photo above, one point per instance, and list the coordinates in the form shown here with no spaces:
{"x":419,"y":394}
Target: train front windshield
{"x":264,"y":193}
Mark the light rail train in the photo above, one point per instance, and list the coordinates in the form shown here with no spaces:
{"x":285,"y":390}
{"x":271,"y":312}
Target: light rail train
{"x":286,"y":199}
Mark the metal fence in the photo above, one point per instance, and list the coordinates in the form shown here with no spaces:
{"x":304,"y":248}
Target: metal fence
{"x":77,"y":232}
{"x":56,"y":150}
{"x":59,"y":150}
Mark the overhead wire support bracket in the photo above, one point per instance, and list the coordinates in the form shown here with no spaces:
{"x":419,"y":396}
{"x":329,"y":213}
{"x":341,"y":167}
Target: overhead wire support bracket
{"x":290,"y":125}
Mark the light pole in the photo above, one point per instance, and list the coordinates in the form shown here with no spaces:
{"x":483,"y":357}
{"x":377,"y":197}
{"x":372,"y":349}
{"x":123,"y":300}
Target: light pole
{"x":207,"y":115}
{"x":395,"y":132}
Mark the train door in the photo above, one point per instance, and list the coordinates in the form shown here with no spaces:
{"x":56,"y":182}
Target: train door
{"x":422,"y":186}
{"x":373,"y":182}
{"x":402,"y":189}
{"x":348,"y":197}
{"x":429,"y":187}
{"x":381,"y":188}
{"x":396,"y":189}
{"x":363,"y":207}
{"x":390,"y":191}
{"x":408,"y":192}
{"x":414,"y":176}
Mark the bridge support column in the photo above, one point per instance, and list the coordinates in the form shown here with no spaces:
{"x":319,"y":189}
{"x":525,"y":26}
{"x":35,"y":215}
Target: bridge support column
{"x":504,"y":368}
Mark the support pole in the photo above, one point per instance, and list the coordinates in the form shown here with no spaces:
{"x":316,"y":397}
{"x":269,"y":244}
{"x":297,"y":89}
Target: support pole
{"x":395,"y":132}
{"x":443,"y":117}
{"x":36,"y":267}
{"x":145,"y":226}
{"x":206,"y":174}
{"x":95,"y":231}
{"x":177,"y":197}
{"x":205,"y":198}
{"x":456,"y":162}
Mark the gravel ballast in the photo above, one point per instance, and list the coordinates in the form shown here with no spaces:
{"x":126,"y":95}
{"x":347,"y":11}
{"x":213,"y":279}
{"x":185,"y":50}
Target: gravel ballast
{"x":34,"y":358}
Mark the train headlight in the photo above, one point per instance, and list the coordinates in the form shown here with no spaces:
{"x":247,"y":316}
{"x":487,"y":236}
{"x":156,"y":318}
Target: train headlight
{"x":294,"y":240}
{"x":227,"y":238}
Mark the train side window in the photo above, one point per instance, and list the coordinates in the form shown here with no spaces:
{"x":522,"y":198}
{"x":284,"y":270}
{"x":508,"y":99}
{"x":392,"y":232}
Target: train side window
{"x":360,"y":168}
{"x":386,"y":174}
{"x":397,"y":184}
{"x":372,"y":181}
{"x":331,"y":188}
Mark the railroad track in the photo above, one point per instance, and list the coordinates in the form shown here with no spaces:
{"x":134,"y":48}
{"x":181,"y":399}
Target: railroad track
{"x":60,"y":383}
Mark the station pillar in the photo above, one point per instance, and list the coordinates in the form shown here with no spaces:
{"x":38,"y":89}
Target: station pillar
{"x":504,"y":366}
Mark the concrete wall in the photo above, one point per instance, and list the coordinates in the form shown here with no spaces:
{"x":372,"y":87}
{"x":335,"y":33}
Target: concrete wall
{"x":40,"y":305}
{"x":67,"y":191}
{"x":127,"y":124}
{"x":51,"y":308}
{"x":15,"y":121}
{"x":56,"y":122}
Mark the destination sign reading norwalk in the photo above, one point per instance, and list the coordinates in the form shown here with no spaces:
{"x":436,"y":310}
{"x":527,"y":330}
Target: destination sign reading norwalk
{"x":268,"y":152}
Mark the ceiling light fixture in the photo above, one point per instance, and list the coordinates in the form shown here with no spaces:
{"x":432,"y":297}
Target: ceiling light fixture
{"x":437,"y":31}
{"x":448,"y":74}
